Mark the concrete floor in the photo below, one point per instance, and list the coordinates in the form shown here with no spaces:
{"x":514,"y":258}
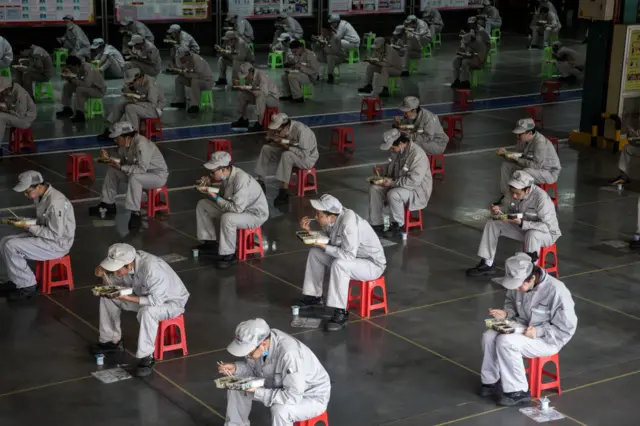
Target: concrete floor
{"x":417,"y":365}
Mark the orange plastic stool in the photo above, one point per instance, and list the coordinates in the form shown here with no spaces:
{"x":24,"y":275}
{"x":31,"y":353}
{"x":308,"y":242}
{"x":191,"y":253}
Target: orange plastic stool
{"x":314,"y":421}
{"x":340,"y":138}
{"x":555,"y":142}
{"x":433,"y":162}
{"x":552,"y":266}
{"x":80,"y":165}
{"x":247,"y":244}
{"x":152,"y":127}
{"x":536,"y":372}
{"x":154,"y":202}
{"x":365,"y":301}
{"x":54,"y":273}
{"x":411,"y":221}
{"x":547,"y":186}
{"x":452,"y":129}
{"x":268,"y":113}
{"x":302,"y":180}
{"x":216,"y":145}
{"x":534,"y":113}
{"x":371,"y":107}
{"x":550,"y":90}
{"x":167,"y":338}
{"x":20,"y":139}
{"x":463,"y":99}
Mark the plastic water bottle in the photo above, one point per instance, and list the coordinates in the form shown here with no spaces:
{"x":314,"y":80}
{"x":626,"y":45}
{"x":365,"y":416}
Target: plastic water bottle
{"x":387,"y":222}
{"x":103,"y":212}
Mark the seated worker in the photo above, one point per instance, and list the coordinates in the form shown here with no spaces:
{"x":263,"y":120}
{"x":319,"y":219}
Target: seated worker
{"x":111,"y":61}
{"x":570,"y":63}
{"x":416,"y":36}
{"x":143,"y":98}
{"x":179,"y":38}
{"x":287,"y":24}
{"x":6,"y":53}
{"x":83,"y":80}
{"x":195,"y":73}
{"x":129,"y":28}
{"x":283,"y":44}
{"x":75,"y":40}
{"x":158,"y":295}
{"x":240,"y":26}
{"x":297,"y":387}
{"x":353,"y":252}
{"x":475,"y":27}
{"x":143,"y":56}
{"x":50,"y":238}
{"x":491,"y":16}
{"x":263,"y":92}
{"x":343,"y":36}
{"x":434,"y":20}
{"x":471,"y":56}
{"x":140,"y":166}
{"x":37,"y":66}
{"x":301,"y":69}
{"x":540,"y":305}
{"x":427,"y":132}
{"x":290,"y":144}
{"x":385,"y":62}
{"x":17,"y":108}
{"x":240,"y":204}
{"x":545,"y":23}
{"x":235,"y":52}
{"x":407,"y":180}
{"x":537,"y":226}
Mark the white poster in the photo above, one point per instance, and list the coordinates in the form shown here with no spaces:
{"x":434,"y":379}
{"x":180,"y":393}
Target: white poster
{"x":356,"y":7}
{"x":450,"y":4}
{"x":163,"y":10}
{"x":269,"y":8}
{"x":30,"y":12}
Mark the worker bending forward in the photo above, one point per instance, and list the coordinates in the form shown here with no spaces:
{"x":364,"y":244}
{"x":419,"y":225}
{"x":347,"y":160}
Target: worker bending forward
{"x":422,"y":125}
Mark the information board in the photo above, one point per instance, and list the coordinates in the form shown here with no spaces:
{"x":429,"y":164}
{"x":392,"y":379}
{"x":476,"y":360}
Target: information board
{"x":163,"y":10}
{"x":42,"y":12}
{"x":361,"y":7}
{"x":270,"y":8}
{"x":450,"y":4}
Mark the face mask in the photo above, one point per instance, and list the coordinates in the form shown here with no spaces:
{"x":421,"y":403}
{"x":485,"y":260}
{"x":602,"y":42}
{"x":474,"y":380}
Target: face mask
{"x":265,"y":353}
{"x":132,"y":271}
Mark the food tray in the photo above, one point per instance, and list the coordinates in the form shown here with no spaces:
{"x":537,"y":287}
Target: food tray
{"x":112,"y":291}
{"x":503,"y":327}
{"x":132,"y":95}
{"x":106,"y":160}
{"x":503,"y":216}
{"x":243,"y":87}
{"x":19,"y":221}
{"x":239,"y":383}
{"x":312,"y":237}
{"x":209,"y":189}
{"x":376,"y":180}
{"x":513,"y":154}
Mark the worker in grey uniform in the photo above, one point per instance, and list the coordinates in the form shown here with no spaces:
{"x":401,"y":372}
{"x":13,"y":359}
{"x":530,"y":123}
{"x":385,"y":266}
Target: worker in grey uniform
{"x":416,"y":35}
{"x":139,"y":164}
{"x":384,"y":62}
{"x":540,"y":305}
{"x":422,"y":126}
{"x":297,"y":387}
{"x":475,"y":27}
{"x":353,"y":252}
{"x":83,"y":80}
{"x":111,"y":61}
{"x":240,"y":53}
{"x":570,"y":63}
{"x":545,"y":23}
{"x":491,"y":16}
{"x":6,"y":53}
{"x":17,"y":108}
{"x":343,"y":37}
{"x":471,"y":56}
{"x":158,"y":295}
{"x":290,"y":144}
{"x":239,"y":204}
{"x":261,"y":91}
{"x":530,"y":217}
{"x":195,"y":73}
{"x":283,"y":44}
{"x":179,"y":38}
{"x":240,"y":26}
{"x":144,"y":56}
{"x":75,"y":40}
{"x":434,"y":20}
{"x":129,"y":28}
{"x":51,"y":237}
{"x":35,"y":66}
{"x":289,"y":25}
{"x":301,"y":69}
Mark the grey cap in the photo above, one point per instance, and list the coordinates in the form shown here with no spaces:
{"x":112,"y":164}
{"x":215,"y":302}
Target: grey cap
{"x":327,"y":203}
{"x":556,"y":45}
{"x":284,"y":37}
{"x":411,"y":18}
{"x":131,"y":74}
{"x":518,"y":268}
{"x":68,"y":18}
{"x":427,"y":10}
{"x":390,"y":136}
{"x":409,"y":103}
{"x":277,"y":120}
{"x":486,"y":3}
{"x":524,"y":125}
{"x":521,"y":180}
{"x":97,"y":42}
{"x":283,"y":15}
{"x":334,"y":17}
{"x":181,"y":52}
{"x":27,"y":179}
{"x":378,"y":42}
{"x":5,"y":83}
{"x":121,"y":128}
{"x":119,"y":255}
{"x":230,"y":35}
{"x":472,"y":20}
{"x":218,"y":159}
{"x":244,"y":69}
{"x":249,"y":335}
{"x":136,"y":39}
{"x":231,"y":16}
{"x":174,"y":28}
{"x":126,"y":20}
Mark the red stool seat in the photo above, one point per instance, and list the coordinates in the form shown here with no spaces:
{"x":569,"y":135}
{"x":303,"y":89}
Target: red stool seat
{"x":552,"y":266}
{"x":536,"y":372}
{"x":20,"y":139}
{"x":216,"y":145}
{"x":80,"y":165}
{"x":167,"y":338}
{"x":547,"y":186}
{"x":247,"y":244}
{"x":371,"y":108}
{"x":151,"y":127}
{"x":534,"y":113}
{"x":314,"y":421}
{"x":365,"y":302}
{"x":342,"y":137}
{"x":411,"y":220}
{"x":154,"y":201}
{"x":452,"y":130}
{"x":302,"y":180}
{"x":550,"y":90}
{"x":463,"y":99}
{"x":555,"y":142}
{"x":54,"y":273}
{"x":268,"y":113}
{"x":433,"y":162}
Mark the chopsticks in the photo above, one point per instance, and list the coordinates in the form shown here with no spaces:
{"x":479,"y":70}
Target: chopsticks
{"x":224,"y":370}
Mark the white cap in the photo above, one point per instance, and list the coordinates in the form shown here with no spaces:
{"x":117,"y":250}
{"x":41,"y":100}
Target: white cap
{"x":244,"y":69}
{"x":486,"y":3}
{"x":120,"y":128}
{"x":231,"y":16}
{"x":126,"y":20}
{"x":521,"y":180}
{"x":131,"y":74}
{"x":524,"y":125}
{"x":230,"y":35}
{"x":284,"y":37}
{"x":378,"y":42}
{"x":283,"y":15}
{"x":181,"y":52}
{"x":472,"y":20}
{"x":327,"y":203}
{"x":68,"y":18}
{"x":277,"y":120}
{"x":136,"y":39}
{"x":518,"y":268}
{"x":334,"y":17}
{"x":390,"y":136}
{"x":97,"y":42}
{"x":119,"y":255}
{"x":249,"y":335}
{"x":5,"y":83}
{"x":411,"y":18}
{"x":27,"y":179}
{"x":218,"y":159}
{"x":174,"y":28}
{"x":409,"y":103}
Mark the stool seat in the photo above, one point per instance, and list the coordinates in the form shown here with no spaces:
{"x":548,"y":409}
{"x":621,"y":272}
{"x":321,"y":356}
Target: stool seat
{"x":394,"y":85}
{"x":342,"y":137}
{"x":167,"y":338}
{"x":151,"y":127}
{"x":534,"y":113}
{"x":426,"y":51}
{"x":94,"y":107}
{"x":79,"y":165}
{"x":206,"y":99}
{"x":43,"y":95}
{"x":550,"y":90}
{"x":216,"y":145}
{"x":463,"y":99}
{"x":247,"y":244}
{"x":154,"y":201}
{"x":552,"y":266}
{"x":307,"y":91}
{"x":276,"y":60}
{"x":324,"y":418}
{"x":268,"y":113}
{"x":353,"y":55}
{"x":54,"y":273}
{"x":547,"y":186}
{"x":452,"y":130}
{"x":20,"y":139}
{"x":366,"y":300}
{"x":371,"y":108}
{"x":301,"y":177}
{"x":433,"y":163}
{"x":411,"y":220}
{"x":537,"y":372}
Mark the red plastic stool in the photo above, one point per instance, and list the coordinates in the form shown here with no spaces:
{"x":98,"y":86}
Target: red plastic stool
{"x":340,"y":138}
{"x":167,"y":338}
{"x":433,"y":162}
{"x":452,"y":129}
{"x":268,"y":113}
{"x":216,"y":145}
{"x":371,"y":107}
{"x":54,"y":273}
{"x":152,"y":127}
{"x":314,"y":421}
{"x":555,"y":142}
{"x":365,"y":300}
{"x":536,"y":372}
{"x":302,"y":180}
{"x":20,"y":139}
{"x":154,"y":201}
{"x":80,"y":165}
{"x":547,"y":186}
{"x":552,"y":266}
{"x":535,"y":113}
{"x":411,"y":221}
{"x":550,"y":90}
{"x":247,"y":244}
{"x":463,"y":99}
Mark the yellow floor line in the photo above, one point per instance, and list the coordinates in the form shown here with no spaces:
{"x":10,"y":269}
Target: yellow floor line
{"x":593,"y":271}
{"x":35,"y":388}
{"x":606,"y":307}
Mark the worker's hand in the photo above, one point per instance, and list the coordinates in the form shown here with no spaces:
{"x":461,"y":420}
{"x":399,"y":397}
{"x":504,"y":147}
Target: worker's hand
{"x":498,"y":314}
{"x":517,"y":221}
{"x":495,"y":209}
{"x":501,"y":151}
{"x":548,"y":28}
{"x":387,"y":183}
{"x":100,"y":271}
{"x":530,"y":332}
{"x":114,"y":164}
{"x":203,"y":189}
{"x":227,"y":369}
{"x":250,"y":390}
{"x":103,"y":153}
{"x":304,"y":223}
{"x":320,"y":245}
{"x":298,"y":65}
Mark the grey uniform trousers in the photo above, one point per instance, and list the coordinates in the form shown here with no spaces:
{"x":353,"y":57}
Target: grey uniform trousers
{"x":195,"y":86}
{"x":132,"y":112}
{"x":292,"y":83}
{"x":146,"y":68}
{"x":539,"y":175}
{"x":335,"y":51}
{"x":537,"y":31}
{"x":494,"y":229}
{"x":27,"y":78}
{"x":462,"y":68}
{"x":136,"y":183}
{"x":395,"y":198}
{"x":82,"y":95}
{"x":282,"y":161}
{"x":224,"y":63}
{"x":10,"y":120}
{"x":111,"y":69}
{"x":378,"y":76}
{"x":566,"y":70}
{"x":412,"y":51}
{"x":260,"y":101}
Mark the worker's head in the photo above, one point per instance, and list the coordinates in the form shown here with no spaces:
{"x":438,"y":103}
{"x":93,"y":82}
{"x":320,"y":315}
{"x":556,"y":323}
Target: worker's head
{"x":427,"y":11}
{"x":31,"y":184}
{"x":327,"y":208}
{"x":174,"y":30}
{"x":133,"y":77}
{"x":282,"y":17}
{"x":410,"y":107}
{"x":285,"y":39}
{"x":411,"y":21}
{"x":525,"y":130}
{"x":73,"y":64}
{"x":219,"y":166}
{"x":280,"y":124}
{"x":68,"y":21}
{"x":126,"y":21}
{"x":400,"y":144}
{"x":296,"y":47}
{"x":120,"y":260}
{"x":334,"y":20}
{"x":122,"y":133}
{"x":555,"y":46}
{"x":137,"y":41}
{"x":472,"y":22}
{"x":520,"y":273}
{"x":231,"y":19}
{"x":378,"y":43}
{"x":486,"y":3}
{"x":252,"y":341}
{"x":97,"y":45}
{"x":184,"y":56}
{"x":247,"y":72}
{"x":520,"y":184}
{"x":5,"y":86}
{"x":230,"y":38}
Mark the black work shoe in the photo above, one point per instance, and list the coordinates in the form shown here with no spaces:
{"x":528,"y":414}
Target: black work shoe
{"x":221,"y":82}
{"x":106,"y":348}
{"x":534,"y":257}
{"x":78,"y":117}
{"x":622,"y":179}
{"x":635,"y":243}
{"x":241,"y":123}
{"x":367,"y":88}
{"x":226,"y":261}
{"x":297,"y":100}
{"x":145,"y":366}
{"x":338,"y":321}
{"x":193,"y":110}
{"x":384,"y":93}
{"x":208,"y":248}
{"x":20,"y":294}
{"x":110,"y":210}
{"x":104,"y":136}
{"x":310,"y":302}
{"x":487,"y":391}
{"x":509,"y":399}
{"x":393,"y":231}
{"x":481,"y":270}
{"x":330,"y":78}
{"x":178,"y":104}
{"x":404,"y":74}
{"x":455,"y":84}
{"x":256,"y":127}
{"x":286,"y":98}
{"x":135,"y":221}
{"x":6,"y":287}
{"x":282,"y":198}
{"x":464,"y":85}
{"x":379,"y":229}
{"x":65,"y":113}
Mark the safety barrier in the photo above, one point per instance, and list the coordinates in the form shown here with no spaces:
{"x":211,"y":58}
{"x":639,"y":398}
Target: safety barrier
{"x":597,"y":131}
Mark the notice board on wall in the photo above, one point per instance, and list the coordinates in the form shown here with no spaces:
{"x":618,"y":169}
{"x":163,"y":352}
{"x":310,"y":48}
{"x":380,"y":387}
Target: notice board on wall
{"x":450,"y":4}
{"x":163,"y":10}
{"x":270,"y":8}
{"x":361,"y":7}
{"x":42,"y":12}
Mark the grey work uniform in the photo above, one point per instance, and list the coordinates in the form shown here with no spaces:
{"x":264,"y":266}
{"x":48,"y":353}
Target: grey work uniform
{"x":434,"y":21}
{"x":241,"y":54}
{"x":354,"y":252}
{"x":412,"y":185}
{"x":136,"y":28}
{"x":147,"y":60}
{"x":493,"y":18}
{"x":264,"y":93}
{"x":297,"y":387}
{"x":21,"y":110}
{"x":344,"y":37}
{"x":142,"y":166}
{"x":549,"y":308}
{"x":188,"y":42}
{"x":133,"y":110}
{"x":39,"y":69}
{"x":293,"y":81}
{"x":539,"y":159}
{"x":302,"y":153}
{"x":244,"y":29}
{"x":462,"y":66}
{"x":433,"y":139}
{"x":552,"y":22}
{"x":50,"y":238}
{"x":241,"y":204}
{"x":389,"y":65}
{"x":77,"y":42}
{"x":198,"y":78}
{"x":290,"y":26}
{"x":162,"y":296}
{"x":111,"y":62}
{"x":570,"y":62}
{"x":539,"y":224}
{"x":88,"y":83}
{"x":414,"y":41}
{"x":6,"y":53}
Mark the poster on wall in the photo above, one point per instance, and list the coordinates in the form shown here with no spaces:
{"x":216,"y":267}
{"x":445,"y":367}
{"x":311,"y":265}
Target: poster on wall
{"x":162,"y":10}
{"x":450,"y":4}
{"x":43,"y":12}
{"x":356,"y":7}
{"x":269,"y":8}
{"x":632,"y":64}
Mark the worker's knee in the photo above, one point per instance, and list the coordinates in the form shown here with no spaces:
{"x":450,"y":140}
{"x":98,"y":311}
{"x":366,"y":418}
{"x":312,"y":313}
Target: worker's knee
{"x":339,"y":265}
{"x":315,"y":253}
{"x":394,"y":196}
{"x":507,"y":342}
{"x":533,"y":238}
{"x":488,"y":337}
{"x":281,"y":412}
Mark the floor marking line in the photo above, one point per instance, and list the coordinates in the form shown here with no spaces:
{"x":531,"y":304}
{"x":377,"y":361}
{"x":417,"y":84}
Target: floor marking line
{"x":189,"y":394}
{"x":472,"y":416}
{"x":50,"y":170}
{"x":602,"y":305}
{"x":581,"y":222}
{"x":593,"y":271}
{"x":430,"y":305}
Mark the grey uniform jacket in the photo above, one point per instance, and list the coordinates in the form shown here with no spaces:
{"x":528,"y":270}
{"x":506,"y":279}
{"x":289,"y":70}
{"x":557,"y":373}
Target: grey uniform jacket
{"x":20,"y":104}
{"x":432,"y":133}
{"x":142,"y":30}
{"x":391,"y":58}
{"x":422,"y":30}
{"x":410,"y":170}
{"x":142,"y":156}
{"x":262,"y":84}
{"x":90,"y":77}
{"x":538,"y":211}
{"x":40,"y":61}
{"x":551,"y":19}
{"x":200,"y":70}
{"x":548,"y":307}
{"x":292,"y":372}
{"x":110,"y":51}
{"x":242,"y":52}
{"x":311,"y":65}
{"x":564,"y":54}
{"x":479,"y":47}
{"x":539,"y":153}
{"x":292,"y":27}
{"x":6,"y":52}
{"x":433,"y":18}
{"x":306,"y":145}
{"x":244,"y":28}
{"x":241,"y":193}
{"x":492,"y":14}
{"x":150,"y":55}
{"x":75,"y":39}
{"x":346,"y":32}
{"x":56,"y":221}
{"x":186,"y":41}
{"x":151,"y":93}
